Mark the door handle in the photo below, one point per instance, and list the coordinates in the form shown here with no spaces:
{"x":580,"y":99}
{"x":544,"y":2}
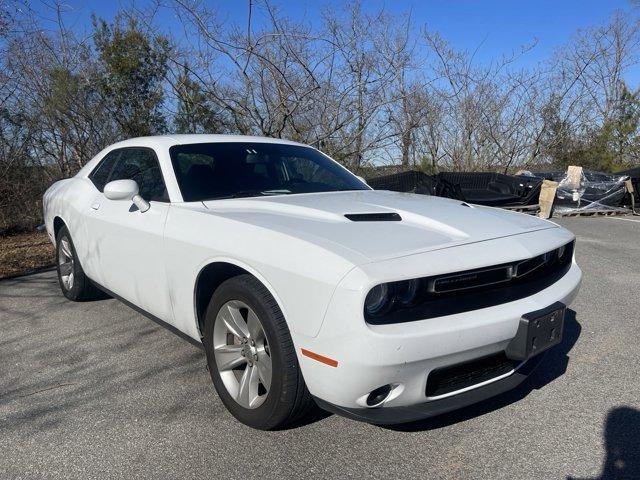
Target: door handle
{"x":95,"y":206}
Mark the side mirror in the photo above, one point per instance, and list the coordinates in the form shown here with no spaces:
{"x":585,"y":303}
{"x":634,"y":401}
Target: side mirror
{"x":362,"y":179}
{"x":121,"y":190}
{"x":126,"y":190}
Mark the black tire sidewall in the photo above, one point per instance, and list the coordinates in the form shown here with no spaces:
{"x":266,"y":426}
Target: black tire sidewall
{"x":275,"y":409}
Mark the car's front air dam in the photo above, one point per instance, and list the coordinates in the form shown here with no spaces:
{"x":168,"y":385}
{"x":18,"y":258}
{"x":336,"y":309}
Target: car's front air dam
{"x":405,"y":414}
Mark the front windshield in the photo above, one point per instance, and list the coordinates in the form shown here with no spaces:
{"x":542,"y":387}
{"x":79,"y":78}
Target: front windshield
{"x":209,"y":171}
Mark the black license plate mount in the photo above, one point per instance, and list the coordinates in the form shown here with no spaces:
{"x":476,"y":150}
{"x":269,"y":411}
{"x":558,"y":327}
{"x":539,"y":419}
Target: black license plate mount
{"x":537,"y":332}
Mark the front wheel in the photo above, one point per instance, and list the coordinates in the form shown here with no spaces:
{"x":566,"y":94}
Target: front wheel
{"x":75,"y":285}
{"x":251,"y":356}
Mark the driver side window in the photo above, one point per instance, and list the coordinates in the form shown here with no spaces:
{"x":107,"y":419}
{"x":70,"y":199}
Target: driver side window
{"x":100,"y":175}
{"x":141,"y":165}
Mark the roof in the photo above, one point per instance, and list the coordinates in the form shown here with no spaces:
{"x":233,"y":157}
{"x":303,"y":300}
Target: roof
{"x":167,"y":141}
{"x":170,"y":140}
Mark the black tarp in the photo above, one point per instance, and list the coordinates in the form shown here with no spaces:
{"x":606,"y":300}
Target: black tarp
{"x":409,"y":182}
{"x":596,"y":191}
{"x":483,"y":188}
{"x":495,"y":189}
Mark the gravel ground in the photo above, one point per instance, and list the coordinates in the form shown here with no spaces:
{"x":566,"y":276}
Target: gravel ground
{"x":94,"y":390}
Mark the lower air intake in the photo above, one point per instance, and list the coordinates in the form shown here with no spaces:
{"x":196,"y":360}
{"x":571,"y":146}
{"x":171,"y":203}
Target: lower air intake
{"x":450,"y":379}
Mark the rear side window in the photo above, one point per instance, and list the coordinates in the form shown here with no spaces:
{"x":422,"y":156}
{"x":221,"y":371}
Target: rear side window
{"x":141,"y":165}
{"x":100,"y":174}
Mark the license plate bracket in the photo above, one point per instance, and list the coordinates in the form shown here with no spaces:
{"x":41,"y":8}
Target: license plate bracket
{"x":537,"y":332}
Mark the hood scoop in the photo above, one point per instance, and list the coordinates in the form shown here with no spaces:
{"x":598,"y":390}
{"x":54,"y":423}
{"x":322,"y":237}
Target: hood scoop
{"x":374,"y":217}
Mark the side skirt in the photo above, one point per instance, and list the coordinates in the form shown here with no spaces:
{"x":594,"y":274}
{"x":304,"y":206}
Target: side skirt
{"x":151,"y":317}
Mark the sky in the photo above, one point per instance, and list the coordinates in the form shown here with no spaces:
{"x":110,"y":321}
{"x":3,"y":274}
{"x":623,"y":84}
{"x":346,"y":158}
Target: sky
{"x":493,"y":27}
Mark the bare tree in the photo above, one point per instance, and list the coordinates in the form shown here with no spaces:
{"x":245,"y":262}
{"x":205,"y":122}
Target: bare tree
{"x":364,"y":85}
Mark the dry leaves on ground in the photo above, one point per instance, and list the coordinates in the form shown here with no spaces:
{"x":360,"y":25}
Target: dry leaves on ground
{"x":24,"y":253}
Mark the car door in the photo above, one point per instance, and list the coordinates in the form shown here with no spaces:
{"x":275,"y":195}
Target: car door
{"x":129,"y":243}
{"x":85,"y":242}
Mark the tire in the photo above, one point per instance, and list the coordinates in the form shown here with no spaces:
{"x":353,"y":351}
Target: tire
{"x":75,"y":285}
{"x":285,"y":400}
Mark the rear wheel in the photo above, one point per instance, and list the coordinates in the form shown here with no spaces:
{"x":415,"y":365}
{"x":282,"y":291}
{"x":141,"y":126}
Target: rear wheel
{"x":75,"y":285}
{"x":251,"y":356}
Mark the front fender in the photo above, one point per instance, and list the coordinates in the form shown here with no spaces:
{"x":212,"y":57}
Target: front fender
{"x":300,"y":275}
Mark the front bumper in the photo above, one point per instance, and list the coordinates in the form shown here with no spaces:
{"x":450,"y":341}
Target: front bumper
{"x":403,"y":355}
{"x":410,"y":413}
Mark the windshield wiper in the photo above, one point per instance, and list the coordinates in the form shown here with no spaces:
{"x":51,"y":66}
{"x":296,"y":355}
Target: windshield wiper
{"x":275,"y":191}
{"x":253,"y":193}
{"x":240,"y":194}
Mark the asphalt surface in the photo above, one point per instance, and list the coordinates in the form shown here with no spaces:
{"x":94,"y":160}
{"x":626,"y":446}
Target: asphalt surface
{"x":94,"y":390}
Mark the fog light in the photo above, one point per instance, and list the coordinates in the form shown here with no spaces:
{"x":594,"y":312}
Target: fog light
{"x":378,"y":395}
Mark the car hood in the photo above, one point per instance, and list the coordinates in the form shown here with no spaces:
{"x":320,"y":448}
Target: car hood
{"x":427,"y":223}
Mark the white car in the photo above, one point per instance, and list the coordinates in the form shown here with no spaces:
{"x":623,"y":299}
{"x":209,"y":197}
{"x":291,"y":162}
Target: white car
{"x":304,"y":285}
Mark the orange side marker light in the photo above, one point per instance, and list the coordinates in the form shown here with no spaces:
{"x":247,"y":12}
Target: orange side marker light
{"x":320,"y":358}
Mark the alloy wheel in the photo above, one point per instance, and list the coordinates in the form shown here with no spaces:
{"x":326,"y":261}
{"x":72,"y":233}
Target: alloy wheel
{"x":66,"y":263}
{"x":242,"y":354}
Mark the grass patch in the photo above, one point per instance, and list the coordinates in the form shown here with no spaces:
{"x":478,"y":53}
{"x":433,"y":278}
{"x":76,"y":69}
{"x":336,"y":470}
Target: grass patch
{"x":25,"y":253}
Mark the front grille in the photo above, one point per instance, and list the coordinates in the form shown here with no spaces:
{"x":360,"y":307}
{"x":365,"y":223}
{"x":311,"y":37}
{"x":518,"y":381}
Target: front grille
{"x":469,"y":290}
{"x":470,"y":279}
{"x":483,"y":277}
{"x":450,"y":379}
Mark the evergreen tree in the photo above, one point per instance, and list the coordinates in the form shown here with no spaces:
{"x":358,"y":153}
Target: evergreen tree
{"x":134,"y":65}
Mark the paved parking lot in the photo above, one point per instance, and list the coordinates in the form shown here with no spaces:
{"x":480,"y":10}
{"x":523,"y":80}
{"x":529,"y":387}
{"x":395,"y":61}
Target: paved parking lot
{"x":94,"y":390}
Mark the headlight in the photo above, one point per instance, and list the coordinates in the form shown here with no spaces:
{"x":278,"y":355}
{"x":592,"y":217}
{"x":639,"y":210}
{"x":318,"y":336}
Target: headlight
{"x":561,"y":251}
{"x":406,"y":291}
{"x":378,"y":299}
{"x":383,"y":297}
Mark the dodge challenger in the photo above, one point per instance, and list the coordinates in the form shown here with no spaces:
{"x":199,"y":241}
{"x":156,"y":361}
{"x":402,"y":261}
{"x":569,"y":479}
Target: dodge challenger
{"x":307,"y":288}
